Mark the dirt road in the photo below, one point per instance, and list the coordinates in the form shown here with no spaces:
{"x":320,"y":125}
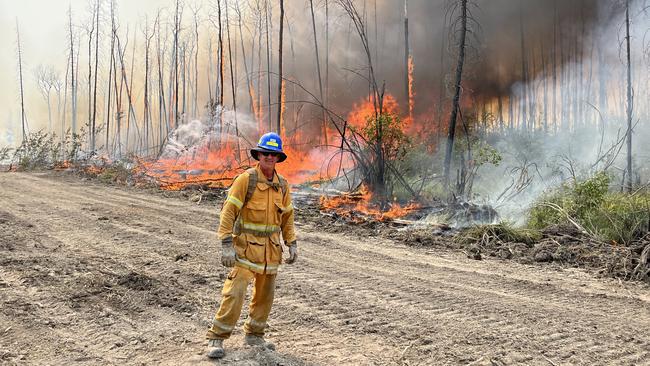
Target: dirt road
{"x":93,"y":274}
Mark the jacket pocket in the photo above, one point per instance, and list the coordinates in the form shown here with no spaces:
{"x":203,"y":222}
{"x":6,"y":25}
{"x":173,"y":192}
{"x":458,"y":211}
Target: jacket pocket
{"x":275,"y":255}
{"x":255,"y":252}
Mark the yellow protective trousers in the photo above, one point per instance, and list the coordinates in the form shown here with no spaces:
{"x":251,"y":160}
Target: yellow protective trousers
{"x":232,"y":300}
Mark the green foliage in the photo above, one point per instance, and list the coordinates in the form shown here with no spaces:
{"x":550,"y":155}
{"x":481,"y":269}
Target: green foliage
{"x":394,"y":142}
{"x":38,"y":150}
{"x":5,"y":153}
{"x":43,"y":150}
{"x":115,"y":173}
{"x":590,"y":193}
{"x":613,"y":217}
{"x":503,"y":231}
{"x":620,"y":217}
{"x":486,"y":154}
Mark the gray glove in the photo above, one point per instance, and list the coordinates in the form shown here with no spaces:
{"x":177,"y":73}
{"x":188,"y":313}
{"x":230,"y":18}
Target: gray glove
{"x":227,"y":253}
{"x":293,"y":253}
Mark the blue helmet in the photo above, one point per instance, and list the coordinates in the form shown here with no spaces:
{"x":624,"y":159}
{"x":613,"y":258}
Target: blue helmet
{"x":269,"y":142}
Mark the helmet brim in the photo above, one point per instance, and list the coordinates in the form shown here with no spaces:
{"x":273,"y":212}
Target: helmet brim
{"x":257,"y":149}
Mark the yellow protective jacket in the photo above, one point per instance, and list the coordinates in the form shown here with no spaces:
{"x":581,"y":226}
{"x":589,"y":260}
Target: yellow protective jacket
{"x":256,"y":225}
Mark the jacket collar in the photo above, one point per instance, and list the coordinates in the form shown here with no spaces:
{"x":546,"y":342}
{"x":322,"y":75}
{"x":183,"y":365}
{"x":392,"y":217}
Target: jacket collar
{"x":261,"y":178}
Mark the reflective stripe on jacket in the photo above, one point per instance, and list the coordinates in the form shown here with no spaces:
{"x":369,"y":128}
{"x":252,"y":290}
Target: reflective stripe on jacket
{"x":256,"y":225}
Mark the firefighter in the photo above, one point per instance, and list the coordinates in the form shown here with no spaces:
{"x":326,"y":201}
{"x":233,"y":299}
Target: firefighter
{"x":256,"y":214}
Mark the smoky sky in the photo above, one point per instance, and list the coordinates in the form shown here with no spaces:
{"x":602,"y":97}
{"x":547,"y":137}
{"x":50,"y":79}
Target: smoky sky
{"x":563,"y":29}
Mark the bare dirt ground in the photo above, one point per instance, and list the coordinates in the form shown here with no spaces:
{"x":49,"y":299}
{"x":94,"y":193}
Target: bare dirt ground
{"x":94,"y":274}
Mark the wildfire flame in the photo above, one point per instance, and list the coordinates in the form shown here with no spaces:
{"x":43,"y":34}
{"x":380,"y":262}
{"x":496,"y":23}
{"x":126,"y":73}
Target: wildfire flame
{"x":353,"y":206}
{"x":411,"y":91}
{"x":214,"y":168}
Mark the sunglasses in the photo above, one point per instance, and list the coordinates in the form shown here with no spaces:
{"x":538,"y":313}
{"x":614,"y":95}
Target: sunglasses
{"x":267,"y":153}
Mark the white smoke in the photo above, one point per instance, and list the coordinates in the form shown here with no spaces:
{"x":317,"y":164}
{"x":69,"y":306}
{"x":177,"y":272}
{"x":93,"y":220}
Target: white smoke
{"x":587,"y":133}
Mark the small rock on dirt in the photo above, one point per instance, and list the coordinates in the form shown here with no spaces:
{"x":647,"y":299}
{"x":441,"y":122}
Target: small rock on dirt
{"x":543,"y":256}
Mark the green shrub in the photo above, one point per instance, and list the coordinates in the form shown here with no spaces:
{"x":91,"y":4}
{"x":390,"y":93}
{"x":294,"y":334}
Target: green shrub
{"x":38,"y":150}
{"x":117,"y":172}
{"x":620,"y":218}
{"x":613,"y":217}
{"x":43,"y":150}
{"x":503,"y":231}
{"x":5,"y":153}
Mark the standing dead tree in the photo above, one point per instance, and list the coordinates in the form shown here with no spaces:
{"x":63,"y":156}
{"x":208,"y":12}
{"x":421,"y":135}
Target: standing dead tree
{"x":94,"y":118}
{"x":232,"y":77}
{"x":630,"y":100}
{"x":320,"y":80}
{"x":147,"y":108}
{"x":47,"y":79}
{"x":408,"y":61}
{"x":377,"y":176}
{"x":249,"y":85}
{"x":73,"y":81}
{"x":23,"y":118}
{"x":461,"y":27}
{"x":278,"y":126}
{"x":90,"y":30}
{"x":178,"y":15}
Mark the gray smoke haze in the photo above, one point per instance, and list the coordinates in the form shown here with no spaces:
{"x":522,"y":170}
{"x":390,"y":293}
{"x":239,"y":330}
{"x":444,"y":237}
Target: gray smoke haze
{"x":590,"y":121}
{"x":494,"y":65}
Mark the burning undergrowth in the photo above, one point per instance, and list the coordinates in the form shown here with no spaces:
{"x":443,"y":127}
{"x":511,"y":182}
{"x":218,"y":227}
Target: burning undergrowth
{"x":359,"y":206}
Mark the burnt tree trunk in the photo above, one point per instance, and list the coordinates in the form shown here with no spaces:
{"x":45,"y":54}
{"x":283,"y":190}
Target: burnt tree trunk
{"x":320,"y":80}
{"x":23,"y":118}
{"x":278,"y":126}
{"x":457,"y":86}
{"x":73,"y":81}
{"x":96,"y":70}
{"x":630,"y":100}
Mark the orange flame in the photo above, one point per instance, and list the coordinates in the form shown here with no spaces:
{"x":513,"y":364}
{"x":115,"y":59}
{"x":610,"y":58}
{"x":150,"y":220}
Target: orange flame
{"x":353,"y":206}
{"x":255,"y":107}
{"x":411,"y":91}
{"x":204,"y":166}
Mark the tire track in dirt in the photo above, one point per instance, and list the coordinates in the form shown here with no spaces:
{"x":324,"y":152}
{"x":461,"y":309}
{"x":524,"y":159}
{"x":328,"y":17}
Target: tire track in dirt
{"x":474,"y":303}
{"x":170,"y":209}
{"x":97,"y":337}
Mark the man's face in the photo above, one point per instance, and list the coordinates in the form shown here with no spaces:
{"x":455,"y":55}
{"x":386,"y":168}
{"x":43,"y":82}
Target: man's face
{"x":267,"y":160}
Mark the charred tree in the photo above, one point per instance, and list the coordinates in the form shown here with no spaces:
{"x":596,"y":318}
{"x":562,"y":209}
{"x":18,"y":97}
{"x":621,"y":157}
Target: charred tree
{"x":232,"y":76}
{"x":278,"y":126}
{"x":146,"y":106}
{"x":268,"y":60}
{"x":23,"y":117}
{"x":196,"y":63}
{"x":455,"y":106}
{"x":91,"y":127}
{"x":408,"y":62}
{"x":94,"y":117}
{"x":221,"y":59}
{"x":630,"y":100}
{"x":378,"y":167}
{"x":249,"y":85}
{"x":177,"y":25}
{"x":320,"y":80}
{"x":524,"y":71}
{"x":110,"y":75}
{"x":73,"y":81}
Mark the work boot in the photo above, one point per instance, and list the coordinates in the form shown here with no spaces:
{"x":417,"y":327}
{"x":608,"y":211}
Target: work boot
{"x":253,"y":340}
{"x":215,"y":348}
